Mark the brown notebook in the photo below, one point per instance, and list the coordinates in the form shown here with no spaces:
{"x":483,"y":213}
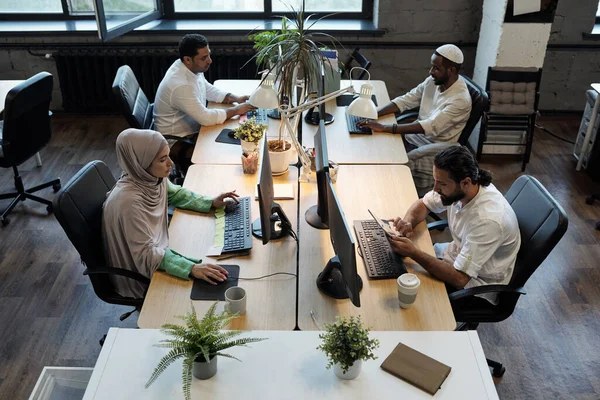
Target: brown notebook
{"x":416,"y":368}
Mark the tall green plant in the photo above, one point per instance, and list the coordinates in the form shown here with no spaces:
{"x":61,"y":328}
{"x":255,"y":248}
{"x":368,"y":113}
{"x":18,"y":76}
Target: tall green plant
{"x":202,"y":339}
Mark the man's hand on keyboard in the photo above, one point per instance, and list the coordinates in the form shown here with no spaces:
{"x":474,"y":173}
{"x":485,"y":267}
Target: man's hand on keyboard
{"x":402,"y":245}
{"x":210,"y":273}
{"x":373,"y":125}
{"x":219,"y":201}
{"x":403,"y":227}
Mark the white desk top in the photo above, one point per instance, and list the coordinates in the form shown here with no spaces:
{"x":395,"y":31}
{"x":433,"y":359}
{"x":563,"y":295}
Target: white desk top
{"x":287,"y":366}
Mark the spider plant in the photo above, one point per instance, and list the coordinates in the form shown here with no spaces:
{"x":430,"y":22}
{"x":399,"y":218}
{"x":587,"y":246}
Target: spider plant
{"x":198,"y":341}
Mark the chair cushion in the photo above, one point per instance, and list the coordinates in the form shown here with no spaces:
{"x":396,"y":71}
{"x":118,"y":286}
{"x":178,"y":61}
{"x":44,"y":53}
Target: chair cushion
{"x":512,"y":97}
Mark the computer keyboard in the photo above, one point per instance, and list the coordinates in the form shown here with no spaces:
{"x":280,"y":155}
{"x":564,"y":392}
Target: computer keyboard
{"x":238,"y":228}
{"x":380,"y":261}
{"x":351,"y":121}
{"x":260,"y":114}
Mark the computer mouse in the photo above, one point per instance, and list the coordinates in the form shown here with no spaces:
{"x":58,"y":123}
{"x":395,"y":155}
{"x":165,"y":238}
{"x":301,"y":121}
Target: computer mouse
{"x":231,"y":134}
{"x":229,"y":207}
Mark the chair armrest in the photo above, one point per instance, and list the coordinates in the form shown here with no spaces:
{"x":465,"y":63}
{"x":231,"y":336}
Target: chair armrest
{"x":180,"y":139}
{"x":406,"y":115}
{"x":437,"y":225}
{"x":118,"y":271}
{"x":459,"y":294}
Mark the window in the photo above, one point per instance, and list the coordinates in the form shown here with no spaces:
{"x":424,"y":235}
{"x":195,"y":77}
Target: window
{"x":31,"y":6}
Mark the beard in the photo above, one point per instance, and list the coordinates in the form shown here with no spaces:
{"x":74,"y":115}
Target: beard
{"x":440,"y":81}
{"x":452,"y":197}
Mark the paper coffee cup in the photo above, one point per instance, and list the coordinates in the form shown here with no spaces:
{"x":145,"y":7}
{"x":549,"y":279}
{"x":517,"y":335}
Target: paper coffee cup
{"x":408,"y":286}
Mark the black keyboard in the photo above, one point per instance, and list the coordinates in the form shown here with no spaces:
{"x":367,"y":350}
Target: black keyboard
{"x":351,"y":121}
{"x":380,"y":261}
{"x":260,"y":114}
{"x":238,"y":228}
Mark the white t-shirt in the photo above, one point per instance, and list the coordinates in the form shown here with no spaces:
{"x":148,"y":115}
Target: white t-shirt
{"x":485,"y":237}
{"x":180,"y":104}
{"x":442,"y":115}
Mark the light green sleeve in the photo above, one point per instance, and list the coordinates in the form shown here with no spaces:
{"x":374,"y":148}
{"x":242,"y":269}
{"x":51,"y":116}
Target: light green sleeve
{"x":177,"y":265}
{"x":188,"y":200}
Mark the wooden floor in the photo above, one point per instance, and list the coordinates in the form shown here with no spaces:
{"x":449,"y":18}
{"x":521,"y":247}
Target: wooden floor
{"x":49,"y":314}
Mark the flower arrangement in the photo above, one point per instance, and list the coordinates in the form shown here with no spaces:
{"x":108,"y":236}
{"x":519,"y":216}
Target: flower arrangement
{"x":250,"y":131}
{"x":346,"y":341}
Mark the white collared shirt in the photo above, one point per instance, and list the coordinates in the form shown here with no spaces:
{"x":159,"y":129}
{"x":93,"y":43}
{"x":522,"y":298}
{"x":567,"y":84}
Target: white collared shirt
{"x":180,"y":104}
{"x":442,"y":115}
{"x":485,"y":237}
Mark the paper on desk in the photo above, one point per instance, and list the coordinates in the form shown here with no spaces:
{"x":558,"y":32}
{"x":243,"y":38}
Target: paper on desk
{"x":219,"y":239}
{"x":214,"y":251}
{"x":281,"y":191}
{"x":526,"y":6}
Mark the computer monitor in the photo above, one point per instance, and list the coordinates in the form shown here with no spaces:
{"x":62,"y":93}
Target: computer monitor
{"x":313,"y":117}
{"x":273,"y":223}
{"x":317,"y":215}
{"x":340,"y":279}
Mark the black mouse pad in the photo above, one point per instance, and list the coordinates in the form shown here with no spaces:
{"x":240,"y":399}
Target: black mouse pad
{"x":345,"y":100}
{"x":203,"y":290}
{"x":224,"y":137}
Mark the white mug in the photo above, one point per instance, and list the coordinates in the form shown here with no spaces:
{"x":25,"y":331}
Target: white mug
{"x":236,"y":300}
{"x":408,"y":286}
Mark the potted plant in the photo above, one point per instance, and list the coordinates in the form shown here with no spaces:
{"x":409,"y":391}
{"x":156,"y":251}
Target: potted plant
{"x":198,"y":343}
{"x":250,"y":133}
{"x":346,"y":343}
{"x":294,"y":52}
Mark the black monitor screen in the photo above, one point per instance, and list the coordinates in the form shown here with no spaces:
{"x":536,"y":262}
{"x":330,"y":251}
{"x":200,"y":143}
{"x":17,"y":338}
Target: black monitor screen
{"x":317,"y":216}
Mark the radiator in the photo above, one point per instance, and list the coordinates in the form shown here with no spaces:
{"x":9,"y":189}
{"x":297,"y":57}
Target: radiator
{"x":86,"y":75}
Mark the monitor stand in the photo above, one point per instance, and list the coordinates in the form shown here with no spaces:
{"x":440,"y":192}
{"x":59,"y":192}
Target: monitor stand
{"x":313,"y":117}
{"x":312,"y":217}
{"x":275,"y":114}
{"x":279,"y":226}
{"x":331,"y":282}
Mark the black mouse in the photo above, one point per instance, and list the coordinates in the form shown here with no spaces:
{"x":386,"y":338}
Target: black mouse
{"x":231,"y":134}
{"x":229,"y":207}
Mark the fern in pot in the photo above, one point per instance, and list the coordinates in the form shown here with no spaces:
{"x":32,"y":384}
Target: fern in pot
{"x":346,"y":343}
{"x":199,"y":343}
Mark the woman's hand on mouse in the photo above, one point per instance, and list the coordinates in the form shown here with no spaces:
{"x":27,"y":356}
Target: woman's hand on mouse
{"x":210,"y":273}
{"x":219,"y":201}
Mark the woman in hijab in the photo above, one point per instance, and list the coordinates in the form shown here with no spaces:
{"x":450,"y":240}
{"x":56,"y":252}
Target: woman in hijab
{"x":134,"y":221}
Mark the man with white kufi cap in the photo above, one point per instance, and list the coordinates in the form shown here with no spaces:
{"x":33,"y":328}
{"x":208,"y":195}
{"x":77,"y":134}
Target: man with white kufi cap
{"x":443,"y":99}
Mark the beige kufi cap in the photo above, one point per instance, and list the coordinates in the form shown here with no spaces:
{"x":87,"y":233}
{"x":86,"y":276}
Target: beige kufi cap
{"x":451,"y":52}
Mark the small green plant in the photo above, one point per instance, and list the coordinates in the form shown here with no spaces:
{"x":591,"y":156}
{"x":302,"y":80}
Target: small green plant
{"x":346,"y":341}
{"x":198,"y":340}
{"x":250,"y":131}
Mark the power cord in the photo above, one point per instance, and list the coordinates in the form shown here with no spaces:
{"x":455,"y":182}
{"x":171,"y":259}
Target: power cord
{"x":261,"y":277}
{"x":552,"y":134}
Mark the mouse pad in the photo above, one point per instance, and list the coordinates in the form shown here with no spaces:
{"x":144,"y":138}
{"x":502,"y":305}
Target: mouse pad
{"x":224,"y":137}
{"x":345,"y":100}
{"x":203,"y":290}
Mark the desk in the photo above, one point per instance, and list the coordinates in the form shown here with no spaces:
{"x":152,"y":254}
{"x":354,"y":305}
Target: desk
{"x":344,"y":148}
{"x":271,"y":301}
{"x":388,"y":191}
{"x":287,"y":366}
{"x":5,"y":87}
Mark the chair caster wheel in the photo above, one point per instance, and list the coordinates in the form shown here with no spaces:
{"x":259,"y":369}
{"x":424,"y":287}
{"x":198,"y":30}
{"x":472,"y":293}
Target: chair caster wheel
{"x":589,"y":200}
{"x":498,"y":372}
{"x":5,"y":221}
{"x":56,"y":187}
{"x":50,"y":209}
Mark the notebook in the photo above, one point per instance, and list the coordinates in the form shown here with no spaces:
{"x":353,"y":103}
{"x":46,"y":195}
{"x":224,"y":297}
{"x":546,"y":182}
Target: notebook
{"x":416,"y":368}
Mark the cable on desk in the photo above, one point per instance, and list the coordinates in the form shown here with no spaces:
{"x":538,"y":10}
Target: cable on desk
{"x":552,"y":134}
{"x":261,"y":277}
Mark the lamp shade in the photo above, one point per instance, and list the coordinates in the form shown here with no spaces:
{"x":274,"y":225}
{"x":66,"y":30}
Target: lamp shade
{"x":265,"y":96}
{"x":363,"y":106}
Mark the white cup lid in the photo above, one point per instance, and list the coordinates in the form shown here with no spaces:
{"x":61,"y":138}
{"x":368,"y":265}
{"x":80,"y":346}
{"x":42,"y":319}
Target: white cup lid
{"x":409,"y":280}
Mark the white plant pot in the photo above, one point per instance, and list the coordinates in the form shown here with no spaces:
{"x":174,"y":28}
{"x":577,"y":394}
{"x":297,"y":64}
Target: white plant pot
{"x":249,"y":147}
{"x":280,"y":160}
{"x":352,"y":372}
{"x":204,"y":370}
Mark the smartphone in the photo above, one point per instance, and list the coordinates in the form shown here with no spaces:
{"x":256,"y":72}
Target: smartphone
{"x":385,"y":225}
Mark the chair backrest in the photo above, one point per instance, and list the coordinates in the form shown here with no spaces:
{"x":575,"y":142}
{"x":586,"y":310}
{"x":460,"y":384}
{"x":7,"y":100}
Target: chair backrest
{"x":78,"y":209}
{"x":480,"y":102}
{"x":542,"y":222}
{"x":362,"y":61}
{"x":513,"y":90}
{"x":131,"y":98}
{"x":27,"y":119}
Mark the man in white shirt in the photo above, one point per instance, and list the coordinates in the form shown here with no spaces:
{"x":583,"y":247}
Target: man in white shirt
{"x":444,"y":101}
{"x":484,"y":227}
{"x":180,"y":104}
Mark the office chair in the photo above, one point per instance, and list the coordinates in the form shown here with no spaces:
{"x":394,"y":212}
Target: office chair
{"x":421,"y":159}
{"x":78,"y":209}
{"x":542,"y":223}
{"x":24,"y":131}
{"x":362,"y":62}
{"x":137,"y":109}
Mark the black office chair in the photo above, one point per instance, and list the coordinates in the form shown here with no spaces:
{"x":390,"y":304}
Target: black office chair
{"x":358,"y":58}
{"x":78,"y":209}
{"x":542,"y":223}
{"x":24,"y":131}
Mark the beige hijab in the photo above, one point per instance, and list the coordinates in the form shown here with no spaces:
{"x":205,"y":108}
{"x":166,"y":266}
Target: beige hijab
{"x":134,"y":221}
